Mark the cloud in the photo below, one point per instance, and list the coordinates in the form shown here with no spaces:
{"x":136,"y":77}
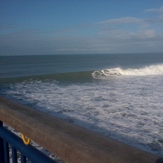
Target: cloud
{"x":158,"y":10}
{"x":125,"y":20}
{"x":126,"y":34}
{"x":120,"y":41}
{"x":114,"y":41}
{"x":148,"y":34}
{"x":119,"y":35}
{"x":155,"y":20}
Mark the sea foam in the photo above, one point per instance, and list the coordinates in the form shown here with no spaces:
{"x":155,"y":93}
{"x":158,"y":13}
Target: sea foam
{"x":148,"y":70}
{"x":127,"y":109}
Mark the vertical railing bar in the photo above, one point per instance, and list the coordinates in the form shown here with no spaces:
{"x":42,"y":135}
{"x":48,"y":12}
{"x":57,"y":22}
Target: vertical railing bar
{"x":23,"y":158}
{"x":29,"y":151}
{"x":14,"y":155}
{"x":6,"y":152}
{"x":1,"y":146}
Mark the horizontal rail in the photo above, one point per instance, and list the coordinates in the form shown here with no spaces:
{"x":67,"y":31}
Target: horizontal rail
{"x":70,"y":142}
{"x":17,"y":145}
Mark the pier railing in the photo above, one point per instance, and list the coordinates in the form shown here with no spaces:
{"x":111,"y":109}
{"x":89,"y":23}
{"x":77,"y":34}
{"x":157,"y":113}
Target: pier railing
{"x":71,"y":143}
{"x":12,"y":149}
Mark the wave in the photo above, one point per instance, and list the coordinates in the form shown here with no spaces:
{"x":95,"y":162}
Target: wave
{"x":88,"y":76}
{"x":64,"y":77}
{"x":145,"y":71}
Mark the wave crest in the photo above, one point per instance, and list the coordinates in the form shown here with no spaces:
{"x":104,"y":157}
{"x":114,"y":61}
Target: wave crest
{"x":148,"y":70}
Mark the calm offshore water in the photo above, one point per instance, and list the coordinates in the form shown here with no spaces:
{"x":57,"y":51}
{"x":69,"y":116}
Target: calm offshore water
{"x":117,"y":95}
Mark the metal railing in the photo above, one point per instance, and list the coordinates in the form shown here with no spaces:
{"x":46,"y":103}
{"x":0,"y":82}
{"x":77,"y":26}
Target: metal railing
{"x":71,"y":143}
{"x":12,"y":149}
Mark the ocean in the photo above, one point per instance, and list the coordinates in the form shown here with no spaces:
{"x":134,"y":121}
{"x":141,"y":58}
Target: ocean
{"x":117,"y":95}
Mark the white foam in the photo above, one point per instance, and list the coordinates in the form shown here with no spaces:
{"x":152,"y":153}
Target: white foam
{"x":127,"y":109}
{"x":145,"y":71}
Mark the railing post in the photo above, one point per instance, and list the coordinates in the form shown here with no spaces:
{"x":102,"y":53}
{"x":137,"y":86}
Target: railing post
{"x":1,"y":146}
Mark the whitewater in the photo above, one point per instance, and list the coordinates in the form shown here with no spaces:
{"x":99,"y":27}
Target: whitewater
{"x":148,"y":70}
{"x":113,"y":95}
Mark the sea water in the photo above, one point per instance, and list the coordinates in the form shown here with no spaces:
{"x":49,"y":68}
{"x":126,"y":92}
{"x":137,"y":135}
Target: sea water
{"x":117,"y":95}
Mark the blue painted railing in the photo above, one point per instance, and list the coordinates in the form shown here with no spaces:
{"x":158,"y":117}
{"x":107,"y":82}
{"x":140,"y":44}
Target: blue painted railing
{"x":11,"y":145}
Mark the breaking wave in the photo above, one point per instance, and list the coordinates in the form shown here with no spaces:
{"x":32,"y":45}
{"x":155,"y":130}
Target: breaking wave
{"x":148,"y":70}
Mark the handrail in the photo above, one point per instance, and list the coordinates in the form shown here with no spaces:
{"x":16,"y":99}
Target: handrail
{"x":70,"y":142}
{"x":16,"y":144}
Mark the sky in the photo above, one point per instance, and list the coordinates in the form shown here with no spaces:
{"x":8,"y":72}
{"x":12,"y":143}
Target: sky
{"x":31,"y":27}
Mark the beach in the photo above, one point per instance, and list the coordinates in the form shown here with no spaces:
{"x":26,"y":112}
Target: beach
{"x":118,"y":96}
